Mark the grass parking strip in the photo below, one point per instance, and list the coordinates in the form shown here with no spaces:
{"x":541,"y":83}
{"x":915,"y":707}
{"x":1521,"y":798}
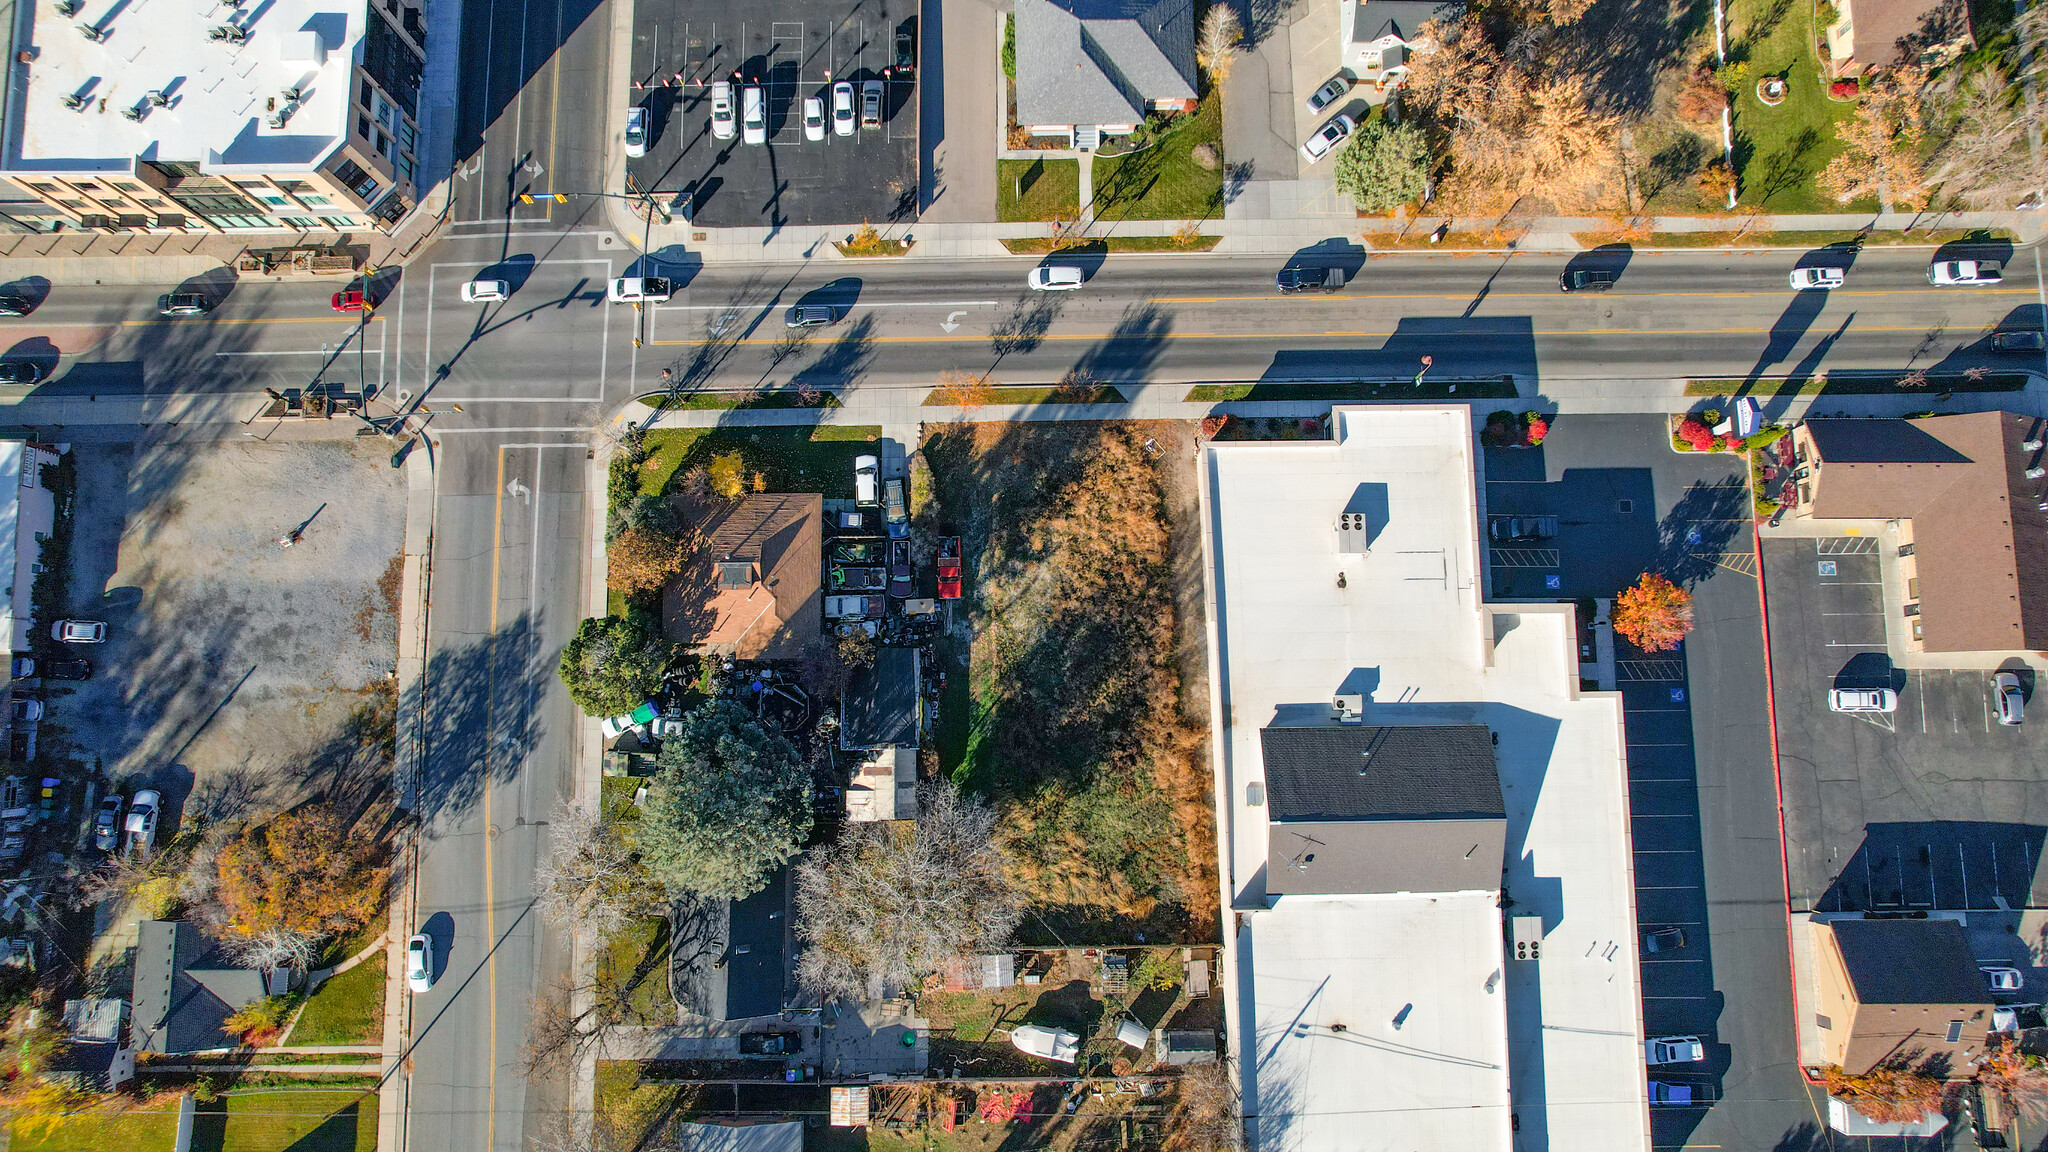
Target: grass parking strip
{"x":1858,"y":384}
{"x":1045,"y":394}
{"x":1490,"y":388}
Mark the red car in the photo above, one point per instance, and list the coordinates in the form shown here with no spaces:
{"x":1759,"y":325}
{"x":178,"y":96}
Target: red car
{"x":353,"y":300}
{"x":949,"y":568}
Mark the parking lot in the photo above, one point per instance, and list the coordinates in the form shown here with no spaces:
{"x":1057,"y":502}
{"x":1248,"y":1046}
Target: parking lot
{"x":680,"y":47}
{"x":232,"y":663}
{"x":1702,"y":800}
{"x":1935,"y":806}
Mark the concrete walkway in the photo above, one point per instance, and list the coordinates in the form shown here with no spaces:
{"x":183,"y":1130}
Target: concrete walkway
{"x":321,"y":976}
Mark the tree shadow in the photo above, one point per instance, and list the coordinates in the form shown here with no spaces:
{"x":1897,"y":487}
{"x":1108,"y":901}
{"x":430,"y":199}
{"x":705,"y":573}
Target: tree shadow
{"x":1693,"y":537}
{"x":1029,"y":319}
{"x":843,"y":362}
{"x":475,"y":712}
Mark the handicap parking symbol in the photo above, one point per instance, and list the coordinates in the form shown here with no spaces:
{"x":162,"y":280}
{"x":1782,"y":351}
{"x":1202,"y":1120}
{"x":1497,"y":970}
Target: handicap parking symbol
{"x":1692,"y":536}
{"x":1678,"y":695}
{"x":1553,"y":583}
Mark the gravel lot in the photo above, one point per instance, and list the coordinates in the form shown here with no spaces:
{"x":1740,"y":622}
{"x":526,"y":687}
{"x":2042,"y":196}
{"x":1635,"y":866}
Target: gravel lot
{"x":228,"y":656}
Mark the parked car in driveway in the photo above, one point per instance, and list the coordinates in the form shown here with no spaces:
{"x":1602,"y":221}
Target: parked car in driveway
{"x":2011,"y":703}
{"x":1862,"y":700}
{"x":854,"y":607}
{"x":842,"y":109}
{"x":636,"y":130}
{"x":724,"y":125}
{"x":1332,"y":90}
{"x":2003,"y":978}
{"x":895,"y":508}
{"x":79,"y":631}
{"x":1327,"y":137}
{"x":901,"y":573}
{"x":141,"y":824}
{"x":867,"y":471}
{"x":858,"y":579}
{"x":106,"y":823}
{"x":419,"y":963}
{"x":1808,"y":279}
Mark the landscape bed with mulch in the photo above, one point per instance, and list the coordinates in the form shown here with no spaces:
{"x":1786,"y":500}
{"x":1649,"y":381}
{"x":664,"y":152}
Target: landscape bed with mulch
{"x":1859,"y":384}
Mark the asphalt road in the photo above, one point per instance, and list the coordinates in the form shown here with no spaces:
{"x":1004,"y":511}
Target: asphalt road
{"x":900,"y":324}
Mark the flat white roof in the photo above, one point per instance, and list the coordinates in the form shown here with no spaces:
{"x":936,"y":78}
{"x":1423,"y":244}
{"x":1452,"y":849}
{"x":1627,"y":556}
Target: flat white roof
{"x":1408,"y":630}
{"x":219,"y":94}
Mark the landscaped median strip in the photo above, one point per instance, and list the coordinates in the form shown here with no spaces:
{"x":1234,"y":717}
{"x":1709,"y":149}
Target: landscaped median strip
{"x":1859,"y":384}
{"x":1032,"y":394}
{"x":1479,"y":388}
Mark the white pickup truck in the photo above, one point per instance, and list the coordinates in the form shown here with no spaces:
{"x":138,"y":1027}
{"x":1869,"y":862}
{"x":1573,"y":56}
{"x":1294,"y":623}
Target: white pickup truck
{"x":639,"y":289}
{"x":1977,"y":272}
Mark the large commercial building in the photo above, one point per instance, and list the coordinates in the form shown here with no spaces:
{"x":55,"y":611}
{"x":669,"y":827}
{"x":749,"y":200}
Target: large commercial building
{"x":1423,"y":820}
{"x":175,"y":116}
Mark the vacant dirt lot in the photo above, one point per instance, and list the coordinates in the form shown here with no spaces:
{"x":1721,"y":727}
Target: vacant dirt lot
{"x":230,"y":659}
{"x":1081,"y":708}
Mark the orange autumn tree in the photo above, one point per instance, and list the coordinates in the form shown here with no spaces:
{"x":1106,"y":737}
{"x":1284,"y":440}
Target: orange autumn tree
{"x":305,"y":873}
{"x":1891,"y":1093}
{"x":1654,"y":615}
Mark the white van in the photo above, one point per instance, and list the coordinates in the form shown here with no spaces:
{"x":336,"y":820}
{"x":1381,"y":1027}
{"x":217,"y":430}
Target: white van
{"x":865,"y":470}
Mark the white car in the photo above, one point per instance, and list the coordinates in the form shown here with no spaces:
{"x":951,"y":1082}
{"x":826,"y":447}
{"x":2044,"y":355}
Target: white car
{"x":842,"y":109}
{"x":866,"y":469}
{"x":1055,"y":278}
{"x":141,"y":824}
{"x":79,"y":631}
{"x":814,"y":118}
{"x":2002,"y":978}
{"x":1973,"y":272}
{"x":722,"y":122}
{"x":1329,"y":93}
{"x":2012,"y":704}
{"x":753,"y":115}
{"x":419,"y":963}
{"x":485,"y":291}
{"x":1807,"y":279}
{"x":1327,"y":137}
{"x":1862,"y":700}
{"x":639,"y":289}
{"x":27,"y":711}
{"x":636,"y":130}
{"x":1674,"y":1050}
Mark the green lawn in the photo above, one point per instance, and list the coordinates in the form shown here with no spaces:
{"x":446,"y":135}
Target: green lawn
{"x":348,"y":1009}
{"x":1778,"y":151}
{"x":634,"y":962}
{"x":1048,"y":394}
{"x":712,"y":401}
{"x":274,"y":1120}
{"x":1040,"y":245}
{"x":1163,"y":182}
{"x":628,"y":1113}
{"x":1049,"y":187}
{"x":1492,"y":388}
{"x":806,"y":459}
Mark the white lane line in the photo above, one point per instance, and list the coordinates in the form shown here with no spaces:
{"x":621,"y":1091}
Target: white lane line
{"x":296,"y":352}
{"x":853,"y":308}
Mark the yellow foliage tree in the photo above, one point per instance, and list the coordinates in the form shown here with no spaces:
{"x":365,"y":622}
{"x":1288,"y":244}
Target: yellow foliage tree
{"x":1654,"y":615}
{"x":963,"y":389}
{"x":1882,"y":153}
{"x":728,"y":475}
{"x":641,"y":560}
{"x":1891,"y":1093}
{"x":304,"y":872}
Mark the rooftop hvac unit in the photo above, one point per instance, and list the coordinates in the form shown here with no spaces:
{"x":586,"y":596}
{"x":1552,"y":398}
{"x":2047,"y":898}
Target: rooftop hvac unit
{"x":1349,"y":707}
{"x":1528,"y":936}
{"x":1351,"y":534}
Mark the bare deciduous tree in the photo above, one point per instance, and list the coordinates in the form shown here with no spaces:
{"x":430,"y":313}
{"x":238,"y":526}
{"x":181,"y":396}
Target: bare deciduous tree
{"x":1217,"y":46}
{"x":1986,"y":158}
{"x":892,"y":902}
{"x":587,"y":877}
{"x":559,"y":1034}
{"x":1204,"y":1115}
{"x":273,"y":948}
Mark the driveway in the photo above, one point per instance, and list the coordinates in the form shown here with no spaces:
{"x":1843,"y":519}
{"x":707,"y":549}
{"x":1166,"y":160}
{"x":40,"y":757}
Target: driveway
{"x":958,"y":114}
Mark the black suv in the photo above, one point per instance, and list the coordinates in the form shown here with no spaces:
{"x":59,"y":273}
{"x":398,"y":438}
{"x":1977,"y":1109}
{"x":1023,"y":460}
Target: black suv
{"x":1292,"y":280}
{"x":1585,"y":280}
{"x":16,"y":306}
{"x":20,"y":373}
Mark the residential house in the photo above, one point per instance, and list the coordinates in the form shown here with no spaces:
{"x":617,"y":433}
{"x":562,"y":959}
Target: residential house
{"x":1406,"y":776}
{"x":738,"y":1136}
{"x":879,"y":714}
{"x":1093,"y":68}
{"x":1871,"y":35}
{"x":752,"y":589}
{"x":28,"y":514}
{"x":729,"y":959}
{"x":288,"y":116}
{"x":1896,"y":989}
{"x":184,"y":993}
{"x":95,"y":1060}
{"x":1957,"y":505}
{"x":1380,"y":37}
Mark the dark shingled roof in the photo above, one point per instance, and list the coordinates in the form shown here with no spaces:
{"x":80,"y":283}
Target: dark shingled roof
{"x":179,"y":1006}
{"x":1909,"y":961}
{"x":1355,"y":772}
{"x":729,"y":957}
{"x":880,"y":705}
{"x":1376,"y":18}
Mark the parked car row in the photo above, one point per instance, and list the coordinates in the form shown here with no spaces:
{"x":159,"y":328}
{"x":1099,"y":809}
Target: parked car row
{"x":748,"y":117}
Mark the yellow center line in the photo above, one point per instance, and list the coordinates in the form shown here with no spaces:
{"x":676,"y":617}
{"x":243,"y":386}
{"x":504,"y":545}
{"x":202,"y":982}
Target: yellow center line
{"x":966,"y":338}
{"x":1558,"y":295}
{"x":254,"y":320}
{"x":490,"y":893}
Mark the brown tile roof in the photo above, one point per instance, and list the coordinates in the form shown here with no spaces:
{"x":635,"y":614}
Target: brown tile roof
{"x":1979,"y":532}
{"x":1891,"y":32}
{"x":753,"y":586}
